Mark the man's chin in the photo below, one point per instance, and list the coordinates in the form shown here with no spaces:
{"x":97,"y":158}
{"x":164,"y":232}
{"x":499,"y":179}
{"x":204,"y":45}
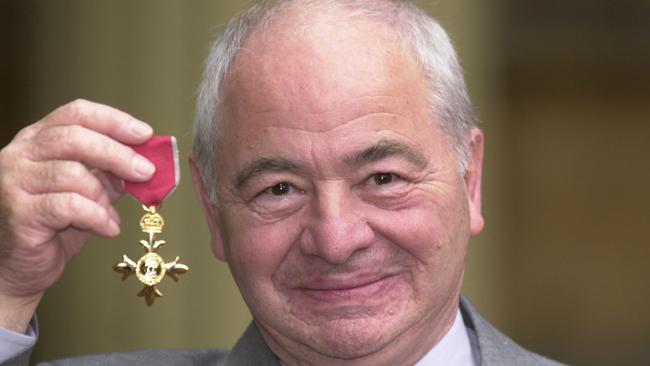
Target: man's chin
{"x":350,"y":339}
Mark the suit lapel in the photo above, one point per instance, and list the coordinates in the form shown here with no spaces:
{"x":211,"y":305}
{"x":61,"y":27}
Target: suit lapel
{"x":251,"y":350}
{"x":491,"y":347}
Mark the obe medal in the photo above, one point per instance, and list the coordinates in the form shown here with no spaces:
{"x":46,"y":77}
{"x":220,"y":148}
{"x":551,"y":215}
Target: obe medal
{"x":151,"y":268}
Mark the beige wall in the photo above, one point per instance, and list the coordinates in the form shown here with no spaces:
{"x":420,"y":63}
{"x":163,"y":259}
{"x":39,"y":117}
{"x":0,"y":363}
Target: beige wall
{"x":562,"y":265}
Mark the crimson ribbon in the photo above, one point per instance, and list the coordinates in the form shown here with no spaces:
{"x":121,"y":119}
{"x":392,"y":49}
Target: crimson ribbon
{"x":162,"y":152}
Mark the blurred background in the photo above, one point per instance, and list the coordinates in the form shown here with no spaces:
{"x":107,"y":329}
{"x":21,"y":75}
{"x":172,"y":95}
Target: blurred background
{"x":563,"y":92}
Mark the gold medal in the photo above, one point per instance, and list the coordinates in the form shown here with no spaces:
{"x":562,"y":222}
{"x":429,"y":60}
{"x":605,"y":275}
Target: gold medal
{"x":151,"y":268}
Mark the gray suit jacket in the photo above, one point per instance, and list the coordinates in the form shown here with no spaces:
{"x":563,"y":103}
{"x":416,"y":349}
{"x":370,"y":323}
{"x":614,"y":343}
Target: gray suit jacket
{"x":490,"y":348}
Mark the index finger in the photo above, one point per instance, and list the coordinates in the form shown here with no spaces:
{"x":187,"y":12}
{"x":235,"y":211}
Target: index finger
{"x":101,"y":118}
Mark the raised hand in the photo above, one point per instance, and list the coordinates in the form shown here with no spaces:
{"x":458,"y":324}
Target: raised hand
{"x":59,"y":179}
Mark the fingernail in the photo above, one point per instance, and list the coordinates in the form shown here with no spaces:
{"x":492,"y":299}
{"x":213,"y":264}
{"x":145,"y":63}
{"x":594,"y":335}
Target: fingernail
{"x":141,"y":128}
{"x":113,"y":228}
{"x":143,"y":167}
{"x":112,"y":213}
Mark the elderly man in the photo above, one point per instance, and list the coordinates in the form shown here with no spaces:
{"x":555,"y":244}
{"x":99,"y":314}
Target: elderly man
{"x":340,"y":171}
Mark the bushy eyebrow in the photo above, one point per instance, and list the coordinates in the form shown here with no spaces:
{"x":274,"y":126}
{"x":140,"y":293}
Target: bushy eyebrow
{"x":387,"y":148}
{"x":381,"y":150}
{"x":263,"y":165}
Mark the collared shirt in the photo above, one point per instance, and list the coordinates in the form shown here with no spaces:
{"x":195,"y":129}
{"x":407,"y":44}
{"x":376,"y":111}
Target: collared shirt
{"x":454,"y":349}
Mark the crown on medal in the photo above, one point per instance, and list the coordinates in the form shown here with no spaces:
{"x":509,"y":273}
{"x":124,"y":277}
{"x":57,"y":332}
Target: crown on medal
{"x":152,"y":222}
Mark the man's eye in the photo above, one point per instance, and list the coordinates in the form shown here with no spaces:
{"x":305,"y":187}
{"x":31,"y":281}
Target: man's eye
{"x":280,"y":189}
{"x":383,"y":178}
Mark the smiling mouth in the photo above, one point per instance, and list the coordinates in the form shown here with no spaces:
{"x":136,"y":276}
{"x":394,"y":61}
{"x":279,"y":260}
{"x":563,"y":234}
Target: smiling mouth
{"x":356,"y":290}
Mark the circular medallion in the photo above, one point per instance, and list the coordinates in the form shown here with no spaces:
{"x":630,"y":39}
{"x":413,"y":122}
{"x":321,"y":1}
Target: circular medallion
{"x":150,"y":269}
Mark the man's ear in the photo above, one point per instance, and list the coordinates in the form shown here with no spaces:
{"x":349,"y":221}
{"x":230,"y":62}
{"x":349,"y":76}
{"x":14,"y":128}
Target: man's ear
{"x":211,"y":214}
{"x":473,"y":177}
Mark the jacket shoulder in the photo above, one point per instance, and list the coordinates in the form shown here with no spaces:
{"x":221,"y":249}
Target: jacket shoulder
{"x":162,"y":357}
{"x":492,"y":348}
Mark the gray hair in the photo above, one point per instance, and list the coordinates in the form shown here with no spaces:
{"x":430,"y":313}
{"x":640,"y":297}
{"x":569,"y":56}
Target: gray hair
{"x":417,"y":33}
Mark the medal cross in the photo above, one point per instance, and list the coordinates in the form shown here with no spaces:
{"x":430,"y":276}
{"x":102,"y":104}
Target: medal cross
{"x":151,"y":268}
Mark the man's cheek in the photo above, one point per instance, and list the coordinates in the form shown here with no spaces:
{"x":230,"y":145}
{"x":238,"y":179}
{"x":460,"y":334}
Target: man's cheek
{"x":261,"y":250}
{"x":415,"y":226}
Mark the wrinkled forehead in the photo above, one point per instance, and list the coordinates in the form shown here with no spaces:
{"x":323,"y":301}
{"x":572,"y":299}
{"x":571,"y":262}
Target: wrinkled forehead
{"x":315,"y":62}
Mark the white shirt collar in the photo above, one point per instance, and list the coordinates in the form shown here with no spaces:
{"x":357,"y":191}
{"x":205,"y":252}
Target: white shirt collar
{"x":454,"y":348}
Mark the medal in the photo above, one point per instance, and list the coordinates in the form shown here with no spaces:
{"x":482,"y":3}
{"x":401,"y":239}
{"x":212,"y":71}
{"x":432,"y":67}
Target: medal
{"x":151,"y":268}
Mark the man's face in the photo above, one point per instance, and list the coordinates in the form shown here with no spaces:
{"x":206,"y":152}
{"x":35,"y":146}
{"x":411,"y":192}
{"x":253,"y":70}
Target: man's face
{"x":342,"y":213}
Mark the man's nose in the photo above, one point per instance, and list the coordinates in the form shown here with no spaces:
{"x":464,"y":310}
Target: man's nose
{"x":337,"y":228}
